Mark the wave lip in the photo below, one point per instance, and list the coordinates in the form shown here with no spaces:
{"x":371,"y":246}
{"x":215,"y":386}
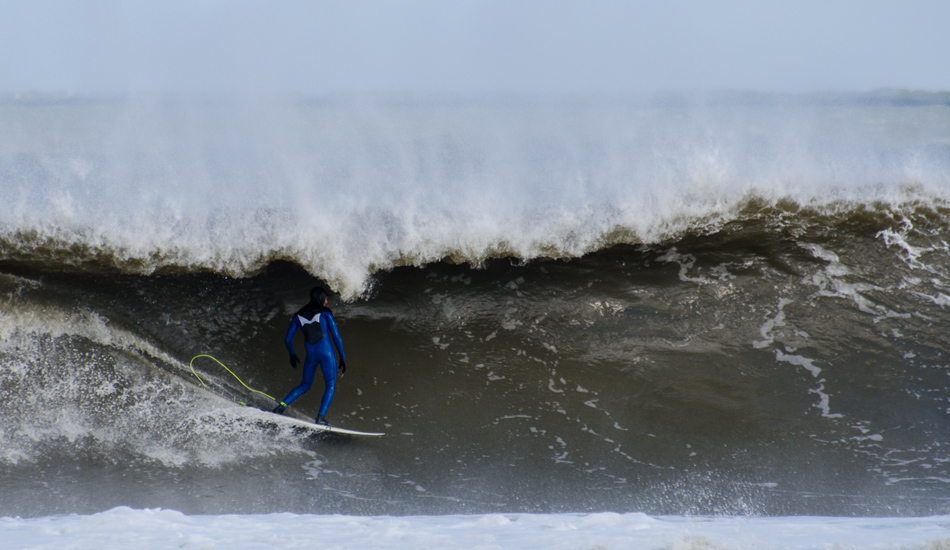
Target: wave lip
{"x":243,"y":244}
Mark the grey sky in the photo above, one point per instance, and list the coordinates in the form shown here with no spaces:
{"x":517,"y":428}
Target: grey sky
{"x":463,"y":45}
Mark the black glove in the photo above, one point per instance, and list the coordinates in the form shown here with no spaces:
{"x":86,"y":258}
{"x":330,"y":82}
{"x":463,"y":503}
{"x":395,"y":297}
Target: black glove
{"x":343,"y":365}
{"x":293,"y":361}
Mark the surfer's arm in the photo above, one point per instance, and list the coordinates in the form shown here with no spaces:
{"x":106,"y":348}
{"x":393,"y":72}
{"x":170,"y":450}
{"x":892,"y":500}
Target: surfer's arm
{"x":291,"y":332}
{"x":335,"y":335}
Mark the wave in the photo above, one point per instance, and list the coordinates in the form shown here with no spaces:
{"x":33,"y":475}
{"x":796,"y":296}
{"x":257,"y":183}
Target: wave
{"x":786,"y":358}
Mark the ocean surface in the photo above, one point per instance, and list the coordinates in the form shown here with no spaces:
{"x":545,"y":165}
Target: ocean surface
{"x":651,"y":306}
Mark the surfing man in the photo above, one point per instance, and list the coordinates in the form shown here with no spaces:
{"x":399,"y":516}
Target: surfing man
{"x":316,"y":322}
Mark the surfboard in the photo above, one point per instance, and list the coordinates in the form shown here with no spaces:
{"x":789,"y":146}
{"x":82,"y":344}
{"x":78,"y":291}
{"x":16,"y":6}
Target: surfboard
{"x":302,"y":427}
{"x":273,"y":421}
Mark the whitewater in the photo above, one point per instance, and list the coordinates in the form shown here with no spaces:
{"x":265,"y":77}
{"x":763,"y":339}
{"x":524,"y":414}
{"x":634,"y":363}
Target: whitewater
{"x":148,"y":529}
{"x":635,"y":321}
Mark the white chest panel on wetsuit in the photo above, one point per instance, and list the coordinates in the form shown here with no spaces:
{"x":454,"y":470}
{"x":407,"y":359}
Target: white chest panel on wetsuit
{"x":312,"y":331}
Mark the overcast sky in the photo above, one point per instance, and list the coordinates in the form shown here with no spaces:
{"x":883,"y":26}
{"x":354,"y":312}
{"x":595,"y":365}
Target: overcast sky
{"x":461,"y":45}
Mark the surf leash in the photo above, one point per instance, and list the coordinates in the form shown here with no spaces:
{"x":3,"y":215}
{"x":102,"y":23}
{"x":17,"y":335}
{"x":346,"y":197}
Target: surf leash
{"x":192,"y":365}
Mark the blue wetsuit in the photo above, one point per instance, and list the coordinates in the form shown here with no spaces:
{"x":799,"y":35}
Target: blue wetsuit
{"x":318,"y":327}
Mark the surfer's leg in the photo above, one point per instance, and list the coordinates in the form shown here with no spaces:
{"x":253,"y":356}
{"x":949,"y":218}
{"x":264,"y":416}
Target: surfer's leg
{"x":328,"y":366}
{"x":309,"y":373}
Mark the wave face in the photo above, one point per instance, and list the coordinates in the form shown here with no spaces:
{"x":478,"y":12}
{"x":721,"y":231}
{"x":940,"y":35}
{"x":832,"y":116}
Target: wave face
{"x":675,"y":305}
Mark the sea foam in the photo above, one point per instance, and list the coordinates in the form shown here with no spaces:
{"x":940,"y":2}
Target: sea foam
{"x":156,"y":528}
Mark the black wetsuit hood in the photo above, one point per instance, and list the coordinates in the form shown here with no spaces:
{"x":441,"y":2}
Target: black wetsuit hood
{"x":318,"y":297}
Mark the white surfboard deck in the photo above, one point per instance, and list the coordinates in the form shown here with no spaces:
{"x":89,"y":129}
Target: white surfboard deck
{"x":278,"y":419}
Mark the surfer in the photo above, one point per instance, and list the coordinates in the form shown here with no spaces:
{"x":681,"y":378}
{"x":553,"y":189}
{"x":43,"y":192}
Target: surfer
{"x":316,"y":322}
